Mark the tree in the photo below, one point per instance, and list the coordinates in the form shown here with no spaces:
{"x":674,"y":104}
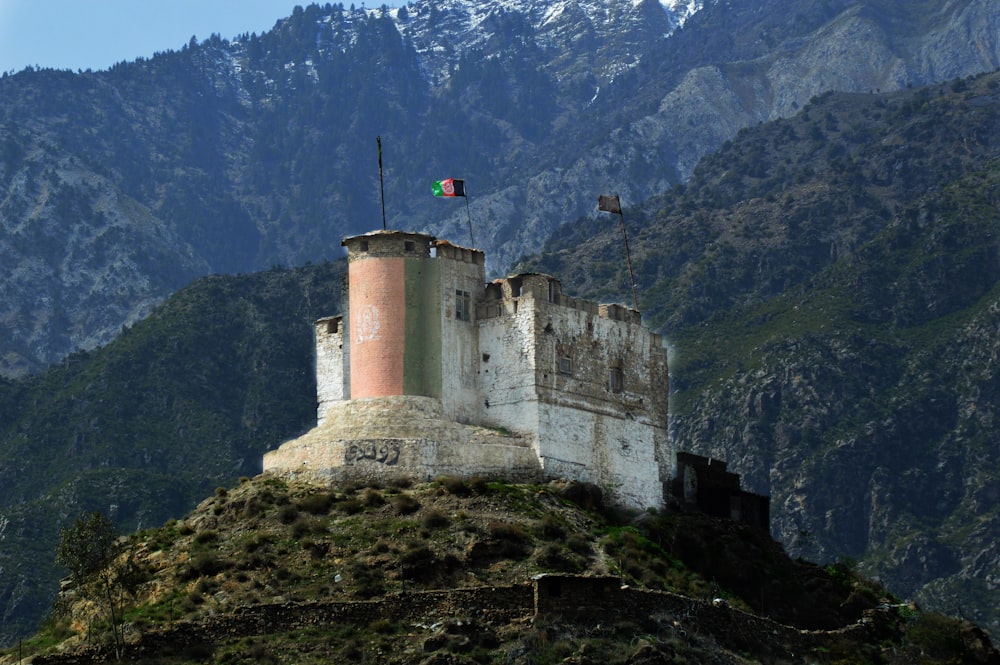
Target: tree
{"x":102,"y":568}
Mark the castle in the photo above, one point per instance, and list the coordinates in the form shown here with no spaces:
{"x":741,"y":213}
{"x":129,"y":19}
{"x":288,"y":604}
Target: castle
{"x":432,"y":371}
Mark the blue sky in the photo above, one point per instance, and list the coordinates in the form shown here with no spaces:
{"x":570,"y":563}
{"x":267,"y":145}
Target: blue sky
{"x":95,"y":34}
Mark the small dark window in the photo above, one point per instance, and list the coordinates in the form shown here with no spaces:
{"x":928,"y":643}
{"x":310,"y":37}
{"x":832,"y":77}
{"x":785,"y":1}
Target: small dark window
{"x":565,"y":365}
{"x":616,"y":380}
{"x":332,"y":326}
{"x":364,"y":246}
{"x":409,"y":245}
{"x":463,"y":306}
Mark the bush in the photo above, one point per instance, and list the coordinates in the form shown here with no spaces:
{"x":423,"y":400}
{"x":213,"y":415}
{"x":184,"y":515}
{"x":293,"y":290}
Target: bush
{"x":479,"y":485}
{"x":318,"y":503}
{"x":382,"y":626}
{"x":507,"y":531}
{"x":204,"y":565}
{"x":453,"y":485}
{"x":404,"y":504}
{"x":372,"y":498}
{"x":303,"y":526}
{"x":288,"y":513}
{"x":205,"y":537}
{"x":351,"y":506}
{"x":401,"y":482}
{"x":551,"y":529}
{"x":434,"y":518}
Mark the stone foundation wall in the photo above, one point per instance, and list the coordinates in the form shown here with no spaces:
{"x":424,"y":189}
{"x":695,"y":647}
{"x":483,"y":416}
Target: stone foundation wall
{"x":575,"y":602}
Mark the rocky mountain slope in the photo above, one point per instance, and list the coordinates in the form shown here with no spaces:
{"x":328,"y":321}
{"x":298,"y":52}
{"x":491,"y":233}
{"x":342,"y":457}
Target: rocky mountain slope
{"x":829,"y":286}
{"x":233,"y":156}
{"x":142,"y":429}
{"x":442,"y":572}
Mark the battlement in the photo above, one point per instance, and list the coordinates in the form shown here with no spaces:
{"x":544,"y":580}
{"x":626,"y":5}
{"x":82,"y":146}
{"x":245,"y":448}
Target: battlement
{"x":382,"y":244}
{"x":502,"y":295}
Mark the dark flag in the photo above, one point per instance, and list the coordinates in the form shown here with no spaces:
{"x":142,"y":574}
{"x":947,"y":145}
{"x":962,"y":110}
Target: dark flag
{"x":609,"y":204}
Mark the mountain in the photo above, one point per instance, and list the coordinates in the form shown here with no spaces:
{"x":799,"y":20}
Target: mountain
{"x":467,"y":572}
{"x":120,"y":186}
{"x":184,"y":401}
{"x":827,"y":280}
{"x":829,"y":286}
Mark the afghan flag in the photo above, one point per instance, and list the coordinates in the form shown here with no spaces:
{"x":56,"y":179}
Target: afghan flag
{"x":449,"y":187}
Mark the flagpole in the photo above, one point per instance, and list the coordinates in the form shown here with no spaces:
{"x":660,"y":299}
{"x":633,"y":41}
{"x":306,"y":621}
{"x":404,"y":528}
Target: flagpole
{"x":628,"y":258}
{"x":381,"y":183}
{"x":472,"y":240}
{"x":613,"y":204}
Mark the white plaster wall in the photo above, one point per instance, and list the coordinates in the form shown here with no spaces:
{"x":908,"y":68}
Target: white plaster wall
{"x":460,"y":341}
{"x":330,"y":379}
{"x":508,"y":395}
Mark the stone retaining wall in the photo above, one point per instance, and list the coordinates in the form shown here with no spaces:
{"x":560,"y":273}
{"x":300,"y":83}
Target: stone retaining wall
{"x":731,"y":628}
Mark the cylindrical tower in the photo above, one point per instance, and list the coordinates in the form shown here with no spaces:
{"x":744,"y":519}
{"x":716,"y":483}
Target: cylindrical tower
{"x":394,"y":311}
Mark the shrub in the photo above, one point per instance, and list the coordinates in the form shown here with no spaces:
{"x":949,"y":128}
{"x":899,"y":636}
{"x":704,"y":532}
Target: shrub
{"x":258,"y":541}
{"x":288,"y":513}
{"x":351,"y":506}
{"x":401,"y":482}
{"x":551,"y":528}
{"x":586,"y":495}
{"x":372,"y":497}
{"x":579,"y":543}
{"x":382,"y":626}
{"x":936,"y":634}
{"x":404,"y":504}
{"x":303,"y":526}
{"x":205,"y":537}
{"x":204,"y":565}
{"x":253,"y":507}
{"x":479,"y":485}
{"x":555,"y":557}
{"x":434,"y":518}
{"x":453,"y":485}
{"x":318,"y":503}
{"x":507,"y":531}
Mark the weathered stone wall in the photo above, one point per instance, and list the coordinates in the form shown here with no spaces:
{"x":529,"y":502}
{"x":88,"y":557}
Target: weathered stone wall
{"x":561,"y":598}
{"x":461,"y":285}
{"x":507,"y":370}
{"x":546,"y":371}
{"x":380,"y":439}
{"x":331,"y":380}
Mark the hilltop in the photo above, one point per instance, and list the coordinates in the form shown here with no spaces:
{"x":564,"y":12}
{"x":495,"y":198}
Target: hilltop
{"x":440,"y":572}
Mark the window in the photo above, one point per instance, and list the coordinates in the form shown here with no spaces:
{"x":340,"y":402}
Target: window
{"x":409,"y":246}
{"x":463,"y":306}
{"x":364,"y":246}
{"x":616,"y":380}
{"x":565,"y":365}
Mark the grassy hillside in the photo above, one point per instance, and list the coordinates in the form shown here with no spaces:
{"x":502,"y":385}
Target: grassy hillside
{"x":267,"y":548}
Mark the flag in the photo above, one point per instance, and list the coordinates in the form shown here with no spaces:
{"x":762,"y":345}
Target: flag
{"x":609,"y":204}
{"x":449,"y":187}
